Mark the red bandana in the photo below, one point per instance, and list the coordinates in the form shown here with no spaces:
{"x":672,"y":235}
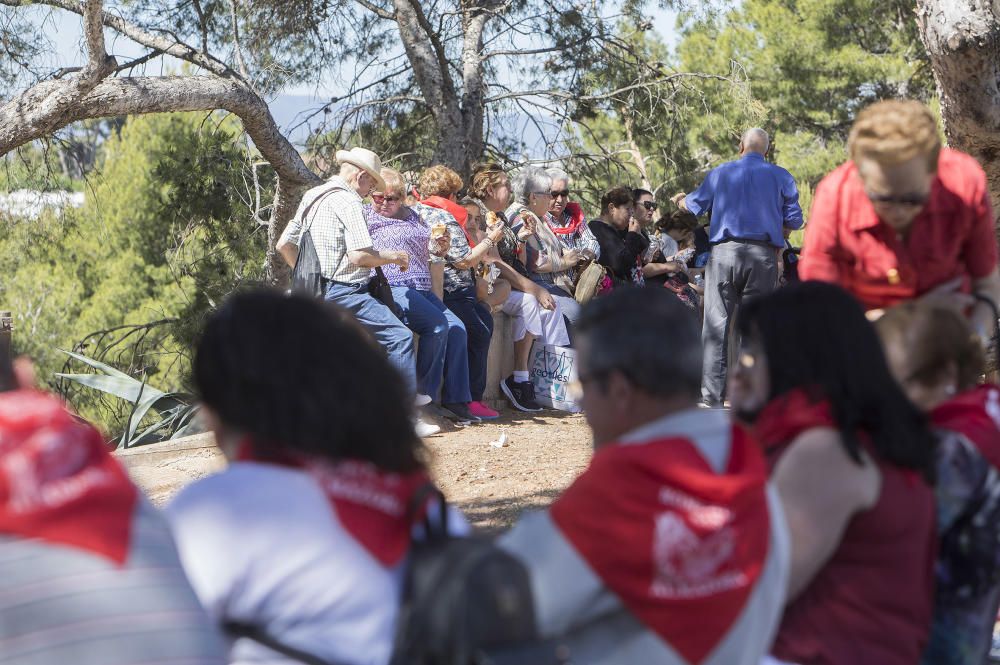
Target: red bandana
{"x":373,"y":506}
{"x":58,"y":482}
{"x":787,"y":416}
{"x":575,"y":213}
{"x":460,"y":214}
{"x":976,"y":414}
{"x":678,"y":543}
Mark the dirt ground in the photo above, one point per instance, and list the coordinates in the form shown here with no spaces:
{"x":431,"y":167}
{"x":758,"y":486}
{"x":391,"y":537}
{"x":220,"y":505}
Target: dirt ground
{"x":491,"y":485}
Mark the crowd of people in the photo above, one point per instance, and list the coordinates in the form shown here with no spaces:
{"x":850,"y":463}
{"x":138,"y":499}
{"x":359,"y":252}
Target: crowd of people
{"x":845,"y":509}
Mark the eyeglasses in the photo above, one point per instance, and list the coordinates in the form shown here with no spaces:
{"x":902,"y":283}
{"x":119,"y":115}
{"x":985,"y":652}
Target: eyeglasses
{"x":650,"y":205}
{"x":564,"y":193}
{"x":912,"y":200}
{"x":382,"y":198}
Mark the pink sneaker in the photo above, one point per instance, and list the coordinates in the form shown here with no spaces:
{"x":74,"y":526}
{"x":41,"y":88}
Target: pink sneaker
{"x":482,"y":411}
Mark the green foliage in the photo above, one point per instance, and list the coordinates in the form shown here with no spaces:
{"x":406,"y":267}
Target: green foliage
{"x":167,"y":231}
{"x":800,"y":69}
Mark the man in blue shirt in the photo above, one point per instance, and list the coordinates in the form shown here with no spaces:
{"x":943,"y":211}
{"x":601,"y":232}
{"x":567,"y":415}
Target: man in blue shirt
{"x":752,"y":204}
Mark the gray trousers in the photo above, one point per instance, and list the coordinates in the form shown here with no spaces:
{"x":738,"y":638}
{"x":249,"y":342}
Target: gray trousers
{"x":736,"y":271}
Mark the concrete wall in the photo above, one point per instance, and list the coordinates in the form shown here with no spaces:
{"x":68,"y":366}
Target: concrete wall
{"x":501,"y":361}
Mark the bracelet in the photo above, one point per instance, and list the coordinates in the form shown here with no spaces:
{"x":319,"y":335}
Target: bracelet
{"x":436,"y":259}
{"x":488,"y":242}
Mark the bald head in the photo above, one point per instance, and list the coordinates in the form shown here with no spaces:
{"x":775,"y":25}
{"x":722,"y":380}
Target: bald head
{"x":755,"y":140}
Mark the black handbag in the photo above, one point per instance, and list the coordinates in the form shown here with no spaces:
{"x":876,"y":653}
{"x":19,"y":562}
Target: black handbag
{"x":379,"y":289}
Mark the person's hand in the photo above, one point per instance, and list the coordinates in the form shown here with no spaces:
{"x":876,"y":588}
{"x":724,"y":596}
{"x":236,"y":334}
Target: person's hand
{"x":439,"y":246}
{"x":495,"y":234}
{"x":571,"y":257}
{"x":634,"y":226}
{"x":545,"y":298}
{"x":677,"y":198}
{"x":401,"y":259}
{"x":527,"y":228}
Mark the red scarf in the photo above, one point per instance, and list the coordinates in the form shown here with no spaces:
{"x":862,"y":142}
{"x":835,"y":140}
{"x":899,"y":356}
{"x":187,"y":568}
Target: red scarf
{"x":681,"y":545}
{"x":58,"y":482}
{"x":373,"y":506}
{"x":575,"y":214}
{"x":787,"y":416}
{"x":460,"y":214}
{"x":976,"y":414}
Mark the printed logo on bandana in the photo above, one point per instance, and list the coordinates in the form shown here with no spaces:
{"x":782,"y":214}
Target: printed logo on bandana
{"x":49,"y":470}
{"x":688,"y":562}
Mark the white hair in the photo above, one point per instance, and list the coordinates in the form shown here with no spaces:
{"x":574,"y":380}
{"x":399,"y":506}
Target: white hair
{"x":756,"y":140}
{"x":528,"y":180}
{"x":557,"y":174}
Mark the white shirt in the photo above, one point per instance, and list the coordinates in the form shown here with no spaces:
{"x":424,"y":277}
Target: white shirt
{"x":262,"y":545}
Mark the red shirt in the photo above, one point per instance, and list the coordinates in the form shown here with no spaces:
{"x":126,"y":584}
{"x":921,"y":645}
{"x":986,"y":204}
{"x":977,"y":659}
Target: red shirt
{"x":953,"y":235}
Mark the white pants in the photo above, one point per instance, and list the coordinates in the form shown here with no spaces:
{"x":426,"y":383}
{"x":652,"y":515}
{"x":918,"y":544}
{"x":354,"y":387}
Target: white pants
{"x":547,"y":325}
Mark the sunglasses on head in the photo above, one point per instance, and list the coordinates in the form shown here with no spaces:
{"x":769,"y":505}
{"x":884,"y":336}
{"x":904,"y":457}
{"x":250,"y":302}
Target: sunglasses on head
{"x":903,"y":199}
{"x":649,"y":205}
{"x":557,"y":193}
{"x":381,"y":198}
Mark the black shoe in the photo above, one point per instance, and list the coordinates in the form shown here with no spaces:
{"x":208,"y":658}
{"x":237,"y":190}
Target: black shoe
{"x":460,"y":412}
{"x":521,"y":395}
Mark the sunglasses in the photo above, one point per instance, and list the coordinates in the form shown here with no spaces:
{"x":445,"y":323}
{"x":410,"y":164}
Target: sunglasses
{"x":563,"y":193}
{"x":649,"y":205}
{"x":382,"y":198}
{"x":902,"y":200}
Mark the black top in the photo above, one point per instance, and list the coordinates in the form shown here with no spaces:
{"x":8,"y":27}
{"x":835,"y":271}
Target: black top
{"x":621,"y":252}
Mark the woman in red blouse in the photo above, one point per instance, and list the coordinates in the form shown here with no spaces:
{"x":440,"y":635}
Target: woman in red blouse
{"x":905,"y":218}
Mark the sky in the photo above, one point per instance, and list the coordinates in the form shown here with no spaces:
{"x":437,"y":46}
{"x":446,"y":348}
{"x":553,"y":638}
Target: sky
{"x":65,"y":31}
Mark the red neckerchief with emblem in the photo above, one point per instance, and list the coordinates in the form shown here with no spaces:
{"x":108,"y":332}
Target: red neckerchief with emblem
{"x":976,"y":414}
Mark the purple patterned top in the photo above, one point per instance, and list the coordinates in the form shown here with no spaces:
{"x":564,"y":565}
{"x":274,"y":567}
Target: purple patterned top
{"x":410,"y":235}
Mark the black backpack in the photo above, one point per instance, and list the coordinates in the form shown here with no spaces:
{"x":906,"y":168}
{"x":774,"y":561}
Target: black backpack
{"x":466,"y":601}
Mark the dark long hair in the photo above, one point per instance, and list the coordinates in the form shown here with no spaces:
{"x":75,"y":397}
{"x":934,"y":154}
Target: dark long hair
{"x":302,"y":376}
{"x":817,"y":338}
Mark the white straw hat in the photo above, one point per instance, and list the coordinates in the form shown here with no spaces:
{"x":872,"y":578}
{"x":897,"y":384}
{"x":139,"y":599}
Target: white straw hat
{"x":366,"y":160}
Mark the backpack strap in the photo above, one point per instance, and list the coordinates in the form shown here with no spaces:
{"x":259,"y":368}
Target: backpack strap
{"x":256,"y":633}
{"x":319,"y":197}
{"x":425,"y":493}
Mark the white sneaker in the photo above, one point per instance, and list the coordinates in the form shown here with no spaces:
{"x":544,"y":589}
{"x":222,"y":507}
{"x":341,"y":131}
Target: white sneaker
{"x":425,"y":429}
{"x":422,"y":400}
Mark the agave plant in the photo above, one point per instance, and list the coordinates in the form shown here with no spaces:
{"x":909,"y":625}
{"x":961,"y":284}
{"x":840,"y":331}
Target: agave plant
{"x":176,"y":410}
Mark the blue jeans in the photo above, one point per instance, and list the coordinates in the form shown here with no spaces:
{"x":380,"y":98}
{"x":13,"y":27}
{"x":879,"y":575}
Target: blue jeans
{"x":381,"y":323}
{"x":479,"y":328}
{"x":442,"y":356}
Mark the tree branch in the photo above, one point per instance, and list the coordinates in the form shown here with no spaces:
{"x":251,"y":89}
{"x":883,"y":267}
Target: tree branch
{"x":378,"y":11}
{"x":176,"y":48}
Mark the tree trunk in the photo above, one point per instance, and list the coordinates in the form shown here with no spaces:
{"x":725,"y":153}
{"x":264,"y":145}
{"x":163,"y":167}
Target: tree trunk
{"x":962,"y":38}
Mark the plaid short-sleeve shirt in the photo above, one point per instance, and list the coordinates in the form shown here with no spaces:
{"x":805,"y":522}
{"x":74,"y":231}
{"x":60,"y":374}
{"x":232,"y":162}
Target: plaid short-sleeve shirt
{"x":337,"y":226}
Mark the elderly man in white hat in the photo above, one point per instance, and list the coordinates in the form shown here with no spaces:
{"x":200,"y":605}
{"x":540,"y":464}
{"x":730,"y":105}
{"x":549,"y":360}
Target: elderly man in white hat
{"x":332,"y":214}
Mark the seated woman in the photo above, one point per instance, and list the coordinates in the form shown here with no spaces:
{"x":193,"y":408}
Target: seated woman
{"x":442,"y":354}
{"x":463,"y":257}
{"x":851,"y":459}
{"x":938,"y":360}
{"x":551,"y":264}
{"x":536,"y":313}
{"x":620,"y":236}
{"x":491,"y":289}
{"x":671,"y":248}
{"x":302,"y":539}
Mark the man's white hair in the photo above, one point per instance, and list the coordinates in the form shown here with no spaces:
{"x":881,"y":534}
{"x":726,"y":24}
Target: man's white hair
{"x":348,"y":171}
{"x":756,"y":140}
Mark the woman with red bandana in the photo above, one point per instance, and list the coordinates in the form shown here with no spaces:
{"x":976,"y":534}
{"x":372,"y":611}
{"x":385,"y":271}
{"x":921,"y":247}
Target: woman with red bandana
{"x":938,"y":362}
{"x":851,"y":459}
{"x":302,"y":539}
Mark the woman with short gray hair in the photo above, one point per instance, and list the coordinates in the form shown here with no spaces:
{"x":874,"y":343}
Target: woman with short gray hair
{"x":554,"y":249}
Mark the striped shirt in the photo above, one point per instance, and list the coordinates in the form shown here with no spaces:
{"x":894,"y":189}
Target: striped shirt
{"x":59,"y":604}
{"x":337,"y":226}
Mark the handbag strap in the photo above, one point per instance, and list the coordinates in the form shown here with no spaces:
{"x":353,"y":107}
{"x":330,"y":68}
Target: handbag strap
{"x":249,"y":631}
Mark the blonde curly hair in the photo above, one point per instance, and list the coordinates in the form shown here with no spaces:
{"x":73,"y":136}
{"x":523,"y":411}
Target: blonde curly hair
{"x":439,"y":180}
{"x":894,"y":131}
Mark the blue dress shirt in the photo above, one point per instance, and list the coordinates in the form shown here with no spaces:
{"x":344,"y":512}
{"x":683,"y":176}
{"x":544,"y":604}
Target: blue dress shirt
{"x":750,"y":199}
